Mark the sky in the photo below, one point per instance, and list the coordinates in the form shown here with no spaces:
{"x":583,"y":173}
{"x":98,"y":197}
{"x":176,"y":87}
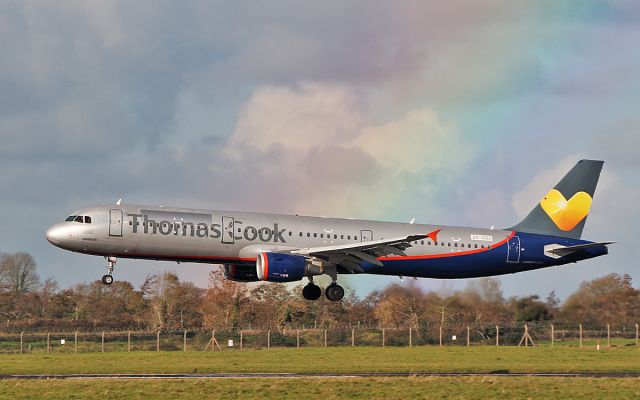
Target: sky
{"x":459,"y":113}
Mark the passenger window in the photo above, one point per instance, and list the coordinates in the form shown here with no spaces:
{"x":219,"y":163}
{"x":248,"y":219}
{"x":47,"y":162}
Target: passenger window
{"x":476,"y":245}
{"x":422,"y":242}
{"x":290,"y":233}
{"x":315,"y":234}
{"x":341,"y":236}
{"x":322,"y":235}
{"x":449,"y":244}
{"x":348,"y":237}
{"x":355,"y":238}
{"x":130,"y":222}
{"x":308,"y":234}
{"x":300,"y":234}
{"x":79,"y":219}
{"x":455,"y":245}
{"x":335,"y":236}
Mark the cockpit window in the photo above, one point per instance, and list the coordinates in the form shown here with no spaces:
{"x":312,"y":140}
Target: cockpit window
{"x":70,"y":218}
{"x":87,"y":220}
{"x":79,"y":219}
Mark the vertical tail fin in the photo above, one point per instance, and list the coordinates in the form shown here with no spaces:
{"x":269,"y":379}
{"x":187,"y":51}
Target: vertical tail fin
{"x":564,"y":209}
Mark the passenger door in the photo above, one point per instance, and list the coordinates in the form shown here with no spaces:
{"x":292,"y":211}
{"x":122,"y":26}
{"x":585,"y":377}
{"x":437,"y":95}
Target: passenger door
{"x":227,"y":229}
{"x":115,"y":222}
{"x":513,"y":250}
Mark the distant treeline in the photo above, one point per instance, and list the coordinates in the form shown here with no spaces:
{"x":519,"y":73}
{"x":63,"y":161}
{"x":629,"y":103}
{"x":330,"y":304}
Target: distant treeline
{"x":164,"y":302}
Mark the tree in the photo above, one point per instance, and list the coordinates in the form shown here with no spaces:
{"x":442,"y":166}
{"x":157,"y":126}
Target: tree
{"x":609,"y":299}
{"x":18,"y":272}
{"x":171,"y":300}
{"x":530,"y":308}
{"x":225,"y":303}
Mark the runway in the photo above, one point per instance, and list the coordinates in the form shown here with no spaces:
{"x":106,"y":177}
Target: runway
{"x":326,"y":375}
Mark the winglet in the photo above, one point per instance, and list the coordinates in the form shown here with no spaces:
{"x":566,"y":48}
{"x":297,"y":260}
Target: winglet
{"x":434,"y":235}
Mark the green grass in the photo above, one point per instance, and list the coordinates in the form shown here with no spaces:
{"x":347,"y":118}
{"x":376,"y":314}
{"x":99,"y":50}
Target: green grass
{"x":334,"y":359}
{"x":304,"y":388}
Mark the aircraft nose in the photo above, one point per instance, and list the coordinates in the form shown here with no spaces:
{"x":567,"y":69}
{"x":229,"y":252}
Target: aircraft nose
{"x":54,"y":234}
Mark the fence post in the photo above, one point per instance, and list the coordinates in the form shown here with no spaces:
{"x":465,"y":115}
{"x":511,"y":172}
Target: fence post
{"x":636,"y":334}
{"x":353,"y":337}
{"x":102,"y":346}
{"x":269,"y":339}
{"x":298,"y":338}
{"x":22,"y":336}
{"x":526,"y":335}
{"x":241,"y":339}
{"x":184,"y":341}
{"x":75,"y":342}
{"x":384,"y":337}
{"x":608,"y":335}
{"x":48,"y":342}
{"x":410,"y":337}
{"x":158,"y":340}
{"x":325,"y":337}
{"x":129,"y":341}
{"x":553,"y":335}
{"x":440,"y":335}
{"x":497,"y":335}
{"x":213,"y":339}
{"x":580,"y":335}
{"x":468,"y":334}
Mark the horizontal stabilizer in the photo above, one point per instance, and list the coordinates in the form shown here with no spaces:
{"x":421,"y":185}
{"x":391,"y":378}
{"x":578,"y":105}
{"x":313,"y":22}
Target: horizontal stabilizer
{"x":566,"y":250}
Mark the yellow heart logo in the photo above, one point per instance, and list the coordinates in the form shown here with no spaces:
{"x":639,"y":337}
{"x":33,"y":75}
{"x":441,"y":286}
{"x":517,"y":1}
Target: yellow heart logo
{"x":566,"y":214}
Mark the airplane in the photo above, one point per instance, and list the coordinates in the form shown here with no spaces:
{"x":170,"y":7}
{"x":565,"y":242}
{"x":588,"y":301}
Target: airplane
{"x":287,"y":248}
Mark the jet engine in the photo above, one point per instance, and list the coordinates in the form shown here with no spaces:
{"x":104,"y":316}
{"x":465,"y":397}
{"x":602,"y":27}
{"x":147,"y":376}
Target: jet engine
{"x":277,"y":267}
{"x":241,"y":273}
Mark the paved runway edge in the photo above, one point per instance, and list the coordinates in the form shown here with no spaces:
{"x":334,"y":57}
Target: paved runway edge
{"x":327,"y":375}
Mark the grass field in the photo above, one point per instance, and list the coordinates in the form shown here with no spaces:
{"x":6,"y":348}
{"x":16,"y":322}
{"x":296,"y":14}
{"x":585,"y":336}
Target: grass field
{"x":332,"y":359}
{"x":315,"y":388}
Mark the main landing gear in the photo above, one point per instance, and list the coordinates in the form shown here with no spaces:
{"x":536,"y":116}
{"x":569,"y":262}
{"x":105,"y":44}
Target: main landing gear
{"x":333,"y":292}
{"x":111,"y":263}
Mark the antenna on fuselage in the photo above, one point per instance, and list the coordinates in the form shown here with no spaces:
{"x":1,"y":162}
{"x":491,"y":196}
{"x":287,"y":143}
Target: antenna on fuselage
{"x":119,"y":202}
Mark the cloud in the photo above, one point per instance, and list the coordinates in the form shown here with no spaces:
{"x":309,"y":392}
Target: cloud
{"x":313,"y":148}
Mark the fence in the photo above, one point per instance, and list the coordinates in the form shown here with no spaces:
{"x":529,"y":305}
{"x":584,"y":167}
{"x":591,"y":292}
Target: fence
{"x":200,"y":340}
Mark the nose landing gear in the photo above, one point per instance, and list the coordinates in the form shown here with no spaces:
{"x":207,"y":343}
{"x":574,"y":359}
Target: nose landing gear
{"x":111,"y":263}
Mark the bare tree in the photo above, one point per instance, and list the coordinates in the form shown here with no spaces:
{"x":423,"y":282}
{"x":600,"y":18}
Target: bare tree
{"x":18,"y":272}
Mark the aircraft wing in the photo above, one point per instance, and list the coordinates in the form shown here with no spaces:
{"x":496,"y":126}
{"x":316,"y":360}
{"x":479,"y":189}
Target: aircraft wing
{"x":566,"y":250}
{"x":351,"y":255}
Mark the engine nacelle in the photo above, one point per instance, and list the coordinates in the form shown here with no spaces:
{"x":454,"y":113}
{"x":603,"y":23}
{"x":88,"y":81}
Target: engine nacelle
{"x":241,"y":273}
{"x":276,"y":267}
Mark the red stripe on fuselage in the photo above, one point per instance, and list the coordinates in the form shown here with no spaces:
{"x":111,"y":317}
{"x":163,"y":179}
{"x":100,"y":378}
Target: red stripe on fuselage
{"x":388,"y":258}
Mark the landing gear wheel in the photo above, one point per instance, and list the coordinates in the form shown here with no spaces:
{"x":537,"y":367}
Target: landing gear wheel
{"x":334,"y":292}
{"x":107,"y":279}
{"x":311,"y":292}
